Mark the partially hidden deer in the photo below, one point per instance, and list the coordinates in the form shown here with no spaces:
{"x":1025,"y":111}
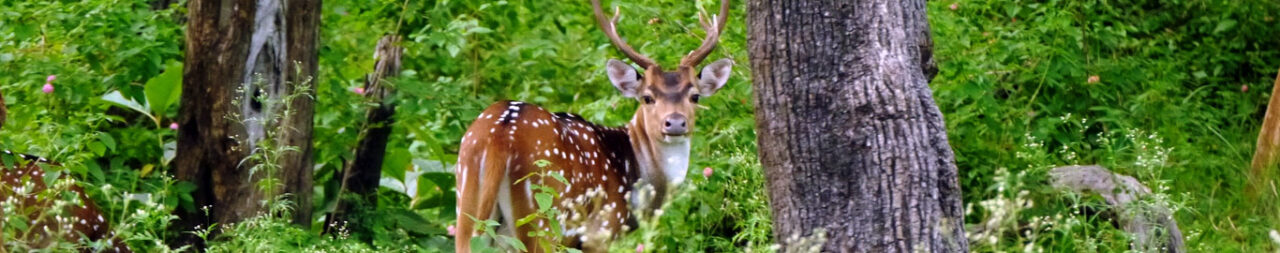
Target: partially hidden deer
{"x":23,"y":191}
{"x":498,"y":161}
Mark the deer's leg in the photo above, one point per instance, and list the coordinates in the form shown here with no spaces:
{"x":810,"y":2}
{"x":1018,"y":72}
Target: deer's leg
{"x":522,"y":193}
{"x":468,"y":177}
{"x":479,"y":192}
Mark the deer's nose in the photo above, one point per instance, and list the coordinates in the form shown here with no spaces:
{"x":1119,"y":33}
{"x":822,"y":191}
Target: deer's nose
{"x":675,"y":124}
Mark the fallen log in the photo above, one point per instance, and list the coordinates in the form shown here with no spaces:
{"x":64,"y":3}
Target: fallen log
{"x":1152,"y":227}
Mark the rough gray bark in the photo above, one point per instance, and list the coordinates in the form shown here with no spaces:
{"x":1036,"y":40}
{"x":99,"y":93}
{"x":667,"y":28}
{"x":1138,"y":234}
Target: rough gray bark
{"x":361,"y":176}
{"x":1152,"y":227}
{"x":850,"y":138}
{"x":239,"y":50}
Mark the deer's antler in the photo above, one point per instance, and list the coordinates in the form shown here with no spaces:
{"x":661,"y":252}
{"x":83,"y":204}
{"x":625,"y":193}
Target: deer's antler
{"x":713,"y":36}
{"x":610,"y":29}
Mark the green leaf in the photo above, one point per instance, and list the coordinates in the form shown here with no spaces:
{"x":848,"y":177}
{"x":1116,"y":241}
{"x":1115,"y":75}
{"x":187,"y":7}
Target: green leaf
{"x":1224,"y":26}
{"x":514,"y":242}
{"x":526,"y":219}
{"x":479,"y":30}
{"x":95,"y":170}
{"x":557,"y":176}
{"x":114,"y":97}
{"x":183,"y":190}
{"x":170,"y":151}
{"x":394,"y":163}
{"x":413,"y":222}
{"x":453,"y":50}
{"x":107,"y":140}
{"x":164,"y":90}
{"x":544,"y":201}
{"x":97,"y":148}
{"x":19,"y":222}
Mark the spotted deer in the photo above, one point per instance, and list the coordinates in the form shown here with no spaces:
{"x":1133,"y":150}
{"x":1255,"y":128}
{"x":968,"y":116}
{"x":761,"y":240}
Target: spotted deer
{"x":603,"y":166}
{"x":23,"y":191}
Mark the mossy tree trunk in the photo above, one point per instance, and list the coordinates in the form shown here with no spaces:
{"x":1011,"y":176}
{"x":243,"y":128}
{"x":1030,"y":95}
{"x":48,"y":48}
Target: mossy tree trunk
{"x":242,"y":57}
{"x":852,"y":143}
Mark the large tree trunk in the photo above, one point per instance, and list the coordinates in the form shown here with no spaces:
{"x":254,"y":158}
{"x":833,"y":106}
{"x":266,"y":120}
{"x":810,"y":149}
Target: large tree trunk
{"x":303,"y":19}
{"x":851,"y":141}
{"x":237,"y":64}
{"x":217,"y":42}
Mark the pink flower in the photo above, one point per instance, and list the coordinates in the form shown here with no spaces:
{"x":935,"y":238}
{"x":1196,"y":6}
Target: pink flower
{"x":1094,"y":79}
{"x":452,"y":231}
{"x":706,"y":172}
{"x":48,"y":88}
{"x":955,"y":6}
{"x":173,"y":125}
{"x":1244,"y":88}
{"x":358,"y":90}
{"x":639,"y":248}
{"x":50,"y":79}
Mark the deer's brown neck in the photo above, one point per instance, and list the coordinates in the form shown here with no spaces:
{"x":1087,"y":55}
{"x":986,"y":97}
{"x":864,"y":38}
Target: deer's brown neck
{"x":662,"y":164}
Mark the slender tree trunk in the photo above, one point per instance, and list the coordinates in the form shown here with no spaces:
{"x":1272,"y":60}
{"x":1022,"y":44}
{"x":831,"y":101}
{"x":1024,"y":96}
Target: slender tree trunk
{"x":1268,"y":149}
{"x":852,"y":143}
{"x":361,"y":176}
{"x":237,"y":65}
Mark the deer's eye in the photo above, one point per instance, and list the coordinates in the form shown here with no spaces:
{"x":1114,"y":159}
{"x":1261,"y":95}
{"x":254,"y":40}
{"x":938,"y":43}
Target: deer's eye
{"x":648,"y":99}
{"x":694,"y":98}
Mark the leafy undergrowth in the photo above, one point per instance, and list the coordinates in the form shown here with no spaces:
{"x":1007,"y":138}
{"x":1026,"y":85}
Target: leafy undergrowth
{"x":1171,"y":92}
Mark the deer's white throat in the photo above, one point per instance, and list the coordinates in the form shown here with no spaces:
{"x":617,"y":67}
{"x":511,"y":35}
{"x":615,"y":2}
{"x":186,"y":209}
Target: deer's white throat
{"x":663,"y":165}
{"x":674,"y":156}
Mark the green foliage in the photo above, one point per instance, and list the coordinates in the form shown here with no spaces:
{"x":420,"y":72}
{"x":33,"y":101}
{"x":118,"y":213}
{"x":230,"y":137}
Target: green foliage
{"x":1170,"y":92}
{"x":1028,"y":85}
{"x":161,"y":92}
{"x":543,"y":197}
{"x":93,"y":47}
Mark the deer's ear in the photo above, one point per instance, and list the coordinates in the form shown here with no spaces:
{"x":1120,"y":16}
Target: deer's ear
{"x":623,"y":77}
{"x":714,"y":76}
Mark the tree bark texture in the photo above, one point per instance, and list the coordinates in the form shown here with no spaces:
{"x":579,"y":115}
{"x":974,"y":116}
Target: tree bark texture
{"x":236,"y":59}
{"x":850,"y":138}
{"x":303,"y":19}
{"x":362,"y":174}
{"x":217,"y":43}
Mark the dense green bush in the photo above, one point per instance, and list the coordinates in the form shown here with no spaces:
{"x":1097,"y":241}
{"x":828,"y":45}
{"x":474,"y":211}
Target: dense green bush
{"x":1171,"y":92}
{"x":89,"y":48}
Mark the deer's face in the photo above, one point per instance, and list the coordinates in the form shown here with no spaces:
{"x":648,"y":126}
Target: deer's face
{"x":668,"y":99}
